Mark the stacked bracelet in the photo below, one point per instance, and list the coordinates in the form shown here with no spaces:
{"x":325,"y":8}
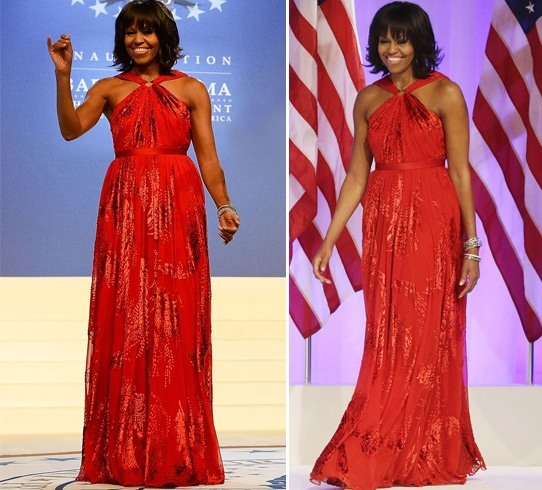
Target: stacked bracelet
{"x":225,"y":207}
{"x":473,"y":242}
{"x":474,"y":257}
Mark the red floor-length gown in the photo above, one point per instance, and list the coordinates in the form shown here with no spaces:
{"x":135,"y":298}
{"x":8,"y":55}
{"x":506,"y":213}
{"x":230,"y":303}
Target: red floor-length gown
{"x":148,"y":404}
{"x":408,"y":422}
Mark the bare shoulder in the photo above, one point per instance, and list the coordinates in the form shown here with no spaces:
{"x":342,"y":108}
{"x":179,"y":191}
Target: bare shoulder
{"x":191,"y":90}
{"x":369,"y":93}
{"x":104,"y":86}
{"x":448,"y":93}
{"x":367,"y":100}
{"x":194,"y":86}
{"x":191,"y":82}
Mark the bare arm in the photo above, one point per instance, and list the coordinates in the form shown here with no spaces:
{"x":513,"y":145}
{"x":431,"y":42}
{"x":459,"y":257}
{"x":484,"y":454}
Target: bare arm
{"x":205,"y":148}
{"x":456,"y":131}
{"x":352,"y":189}
{"x":73,"y":122}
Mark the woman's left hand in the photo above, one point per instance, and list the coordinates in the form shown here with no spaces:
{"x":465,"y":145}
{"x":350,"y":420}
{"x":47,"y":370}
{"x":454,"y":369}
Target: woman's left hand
{"x":229,"y":224}
{"x":469,"y":276}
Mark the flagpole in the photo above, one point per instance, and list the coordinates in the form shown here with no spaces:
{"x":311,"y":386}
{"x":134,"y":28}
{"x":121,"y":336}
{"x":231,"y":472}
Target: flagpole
{"x":308,"y":361}
{"x":530,"y":364}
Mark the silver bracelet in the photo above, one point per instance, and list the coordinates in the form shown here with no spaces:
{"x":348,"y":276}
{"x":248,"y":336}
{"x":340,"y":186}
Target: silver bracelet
{"x":225,"y":207}
{"x":473,"y":242}
{"x":474,"y":257}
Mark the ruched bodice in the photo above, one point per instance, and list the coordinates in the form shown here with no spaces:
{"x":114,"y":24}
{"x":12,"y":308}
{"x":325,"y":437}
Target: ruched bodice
{"x":158,"y":119}
{"x":403,"y":130}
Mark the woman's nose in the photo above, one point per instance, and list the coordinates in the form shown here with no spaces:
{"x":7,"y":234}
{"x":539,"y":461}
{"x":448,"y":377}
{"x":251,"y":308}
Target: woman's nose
{"x":392,"y":47}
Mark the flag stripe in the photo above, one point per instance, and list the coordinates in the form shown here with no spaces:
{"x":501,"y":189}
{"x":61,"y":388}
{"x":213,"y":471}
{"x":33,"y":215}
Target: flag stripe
{"x":494,"y":92}
{"x":506,"y":152}
{"x":505,"y":258}
{"x":333,"y":63}
{"x":497,"y":140}
{"x":303,"y":137}
{"x":326,"y":182}
{"x":333,"y":109}
{"x":346,"y":38}
{"x":303,"y":173}
{"x":304,"y":101}
{"x":512,"y":35}
{"x":309,"y":286}
{"x":297,"y":191}
{"x":303,"y":211}
{"x":325,"y":76}
{"x":301,"y":312}
{"x":535,"y":44}
{"x":304,"y":32}
{"x":504,"y":65}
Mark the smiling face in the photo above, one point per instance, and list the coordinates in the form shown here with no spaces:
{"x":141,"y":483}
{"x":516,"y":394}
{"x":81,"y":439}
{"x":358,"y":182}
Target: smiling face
{"x":142,"y":44}
{"x":396,"y":54}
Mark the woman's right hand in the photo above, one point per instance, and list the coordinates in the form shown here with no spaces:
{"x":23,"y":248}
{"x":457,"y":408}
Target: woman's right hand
{"x":61,"y":52}
{"x":320,"y":262}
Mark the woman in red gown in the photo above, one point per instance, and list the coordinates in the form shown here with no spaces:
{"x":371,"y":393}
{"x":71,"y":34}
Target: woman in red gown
{"x":408,"y":422}
{"x":148,"y":405}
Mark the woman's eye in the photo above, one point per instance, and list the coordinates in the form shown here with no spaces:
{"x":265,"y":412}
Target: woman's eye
{"x":383,"y":41}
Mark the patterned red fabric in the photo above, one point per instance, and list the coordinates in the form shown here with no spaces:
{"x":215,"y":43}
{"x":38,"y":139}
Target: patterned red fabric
{"x":408,"y":422}
{"x":148,"y":406}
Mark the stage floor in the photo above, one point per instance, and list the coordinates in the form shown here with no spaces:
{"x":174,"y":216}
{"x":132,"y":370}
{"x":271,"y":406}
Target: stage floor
{"x":246,"y":468}
{"x":494,"y":478}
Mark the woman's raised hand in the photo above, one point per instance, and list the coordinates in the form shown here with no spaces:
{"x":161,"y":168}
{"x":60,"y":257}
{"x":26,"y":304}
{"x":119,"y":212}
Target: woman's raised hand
{"x":61,"y":52}
{"x":229,"y":224}
{"x":320,"y":262}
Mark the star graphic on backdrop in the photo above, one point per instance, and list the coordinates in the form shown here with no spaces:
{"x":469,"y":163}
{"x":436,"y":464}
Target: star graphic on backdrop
{"x":195,"y":11}
{"x":530,"y":7}
{"x":99,"y":8}
{"x":175,"y":16}
{"x":117,"y":14}
{"x":82,"y":2}
{"x":217,"y":4}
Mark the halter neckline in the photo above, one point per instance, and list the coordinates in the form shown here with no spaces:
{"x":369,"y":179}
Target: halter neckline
{"x":388,"y":85}
{"x":132,"y":77}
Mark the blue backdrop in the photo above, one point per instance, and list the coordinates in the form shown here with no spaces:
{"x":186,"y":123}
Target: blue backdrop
{"x":50,"y":188}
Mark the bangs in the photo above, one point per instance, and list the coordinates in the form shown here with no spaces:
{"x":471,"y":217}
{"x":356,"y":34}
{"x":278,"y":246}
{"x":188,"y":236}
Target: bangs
{"x":143,"y":18}
{"x":398,"y":26}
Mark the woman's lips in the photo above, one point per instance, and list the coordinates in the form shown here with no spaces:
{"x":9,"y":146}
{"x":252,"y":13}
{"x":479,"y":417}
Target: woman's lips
{"x":140,"y":50}
{"x":393,"y":60}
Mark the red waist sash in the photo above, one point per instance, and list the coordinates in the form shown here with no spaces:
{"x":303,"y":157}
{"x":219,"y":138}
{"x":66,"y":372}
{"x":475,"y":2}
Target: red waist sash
{"x":435,"y":162}
{"x":164,"y":150}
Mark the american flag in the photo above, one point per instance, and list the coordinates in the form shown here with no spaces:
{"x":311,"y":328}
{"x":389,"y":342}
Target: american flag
{"x":506,"y":153}
{"x":325,"y":77}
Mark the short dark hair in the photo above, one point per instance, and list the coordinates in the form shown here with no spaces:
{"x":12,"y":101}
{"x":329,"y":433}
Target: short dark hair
{"x":147,"y":15}
{"x":405,"y":21}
